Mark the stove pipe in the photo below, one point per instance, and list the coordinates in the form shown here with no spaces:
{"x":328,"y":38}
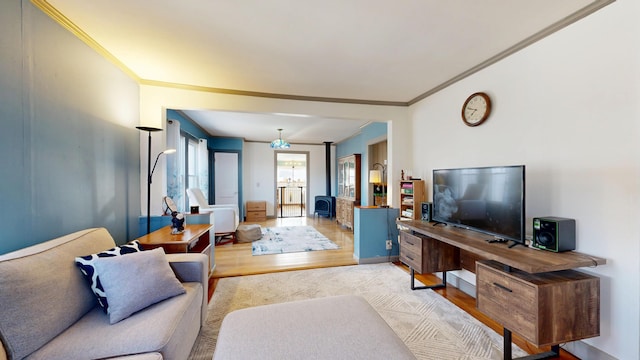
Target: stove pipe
{"x":327,"y":150}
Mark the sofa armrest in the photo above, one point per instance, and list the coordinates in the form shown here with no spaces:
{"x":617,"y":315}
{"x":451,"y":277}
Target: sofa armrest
{"x":193,"y":267}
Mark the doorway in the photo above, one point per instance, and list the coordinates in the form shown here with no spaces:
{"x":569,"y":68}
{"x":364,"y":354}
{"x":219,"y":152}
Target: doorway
{"x":378,"y":161}
{"x":225,"y":177}
{"x":292,"y":172}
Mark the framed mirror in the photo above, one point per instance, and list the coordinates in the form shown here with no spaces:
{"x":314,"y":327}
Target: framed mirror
{"x":170,"y":205}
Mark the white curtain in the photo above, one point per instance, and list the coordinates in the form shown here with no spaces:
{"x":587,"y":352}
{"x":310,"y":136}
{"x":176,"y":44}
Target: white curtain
{"x":175,"y":176}
{"x":203,"y":167}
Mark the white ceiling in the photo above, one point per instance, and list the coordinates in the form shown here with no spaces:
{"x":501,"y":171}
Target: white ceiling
{"x":362,"y":51}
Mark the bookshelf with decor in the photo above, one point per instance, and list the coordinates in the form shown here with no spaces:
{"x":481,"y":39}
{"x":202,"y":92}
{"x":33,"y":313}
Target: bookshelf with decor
{"x":412,"y":194}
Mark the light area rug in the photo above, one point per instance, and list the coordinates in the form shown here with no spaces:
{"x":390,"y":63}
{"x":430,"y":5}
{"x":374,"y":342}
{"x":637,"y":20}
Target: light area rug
{"x":431,"y":326}
{"x":288,"y":239}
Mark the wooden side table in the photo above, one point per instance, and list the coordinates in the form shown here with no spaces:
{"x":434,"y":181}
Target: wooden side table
{"x":256,"y":210}
{"x":194,"y":239}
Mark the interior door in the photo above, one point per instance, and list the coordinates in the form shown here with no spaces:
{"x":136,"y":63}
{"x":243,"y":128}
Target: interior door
{"x":225,"y":177}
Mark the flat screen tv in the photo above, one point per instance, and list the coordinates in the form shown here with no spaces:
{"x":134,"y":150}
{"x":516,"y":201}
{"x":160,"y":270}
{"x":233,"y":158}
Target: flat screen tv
{"x":490,"y":200}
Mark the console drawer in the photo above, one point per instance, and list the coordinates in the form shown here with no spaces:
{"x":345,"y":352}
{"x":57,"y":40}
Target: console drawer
{"x":427,"y":255}
{"x":411,"y":251}
{"x":507,"y":300}
{"x":545,"y":308}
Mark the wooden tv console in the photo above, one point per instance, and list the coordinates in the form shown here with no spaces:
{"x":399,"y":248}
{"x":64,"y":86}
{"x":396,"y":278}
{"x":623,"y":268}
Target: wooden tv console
{"x":535,"y":293}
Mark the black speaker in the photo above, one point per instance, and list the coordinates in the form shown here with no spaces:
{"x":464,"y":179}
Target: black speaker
{"x":554,"y":233}
{"x":426,"y":211}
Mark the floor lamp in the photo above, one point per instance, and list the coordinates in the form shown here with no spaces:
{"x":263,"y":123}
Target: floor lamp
{"x":376,"y":177}
{"x":149,"y":130}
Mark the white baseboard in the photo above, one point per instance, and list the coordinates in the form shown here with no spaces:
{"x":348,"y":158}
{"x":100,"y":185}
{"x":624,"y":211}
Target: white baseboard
{"x":377,"y":259}
{"x":583,"y":350}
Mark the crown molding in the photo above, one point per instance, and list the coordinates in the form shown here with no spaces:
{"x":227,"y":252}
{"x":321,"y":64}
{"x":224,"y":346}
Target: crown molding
{"x":562,"y":23}
{"x":269,"y":95}
{"x":74,"y":29}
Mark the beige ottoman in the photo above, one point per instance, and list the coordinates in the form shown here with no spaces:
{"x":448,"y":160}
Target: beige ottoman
{"x":336,"y":327}
{"x":248,"y":233}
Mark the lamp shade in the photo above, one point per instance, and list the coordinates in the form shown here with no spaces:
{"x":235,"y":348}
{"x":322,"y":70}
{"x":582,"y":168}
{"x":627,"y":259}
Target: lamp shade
{"x":375,"y":177}
{"x":279,"y":143}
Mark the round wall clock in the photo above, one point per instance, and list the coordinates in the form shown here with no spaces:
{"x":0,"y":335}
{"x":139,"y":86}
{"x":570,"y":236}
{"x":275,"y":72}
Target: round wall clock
{"x":476,"y":109}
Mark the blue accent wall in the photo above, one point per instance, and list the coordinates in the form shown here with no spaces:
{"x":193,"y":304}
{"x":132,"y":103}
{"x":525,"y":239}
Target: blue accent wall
{"x":71,"y":152}
{"x":359,"y":144}
{"x":228,"y":144}
{"x":372,"y":227}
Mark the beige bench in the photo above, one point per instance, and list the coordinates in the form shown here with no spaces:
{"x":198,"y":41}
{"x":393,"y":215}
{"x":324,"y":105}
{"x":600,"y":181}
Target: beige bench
{"x":337,"y":327}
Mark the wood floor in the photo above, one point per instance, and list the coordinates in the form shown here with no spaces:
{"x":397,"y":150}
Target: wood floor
{"x":237,"y":260}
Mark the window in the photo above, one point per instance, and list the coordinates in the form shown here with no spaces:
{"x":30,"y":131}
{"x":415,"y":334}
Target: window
{"x":194,"y":164}
{"x":189,"y":168}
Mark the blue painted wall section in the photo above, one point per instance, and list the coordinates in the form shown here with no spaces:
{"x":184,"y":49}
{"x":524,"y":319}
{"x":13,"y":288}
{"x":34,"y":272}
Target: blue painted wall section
{"x":187,"y":125}
{"x":372,"y":227}
{"x":70,"y":149}
{"x":359,"y":145}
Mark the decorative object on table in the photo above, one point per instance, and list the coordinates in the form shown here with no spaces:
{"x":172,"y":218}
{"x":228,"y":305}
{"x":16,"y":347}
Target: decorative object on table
{"x":170,"y":205}
{"x":378,"y":179}
{"x":150,"y":171}
{"x":288,"y":239}
{"x":476,"y":109}
{"x":195,"y":209}
{"x":177,"y":223}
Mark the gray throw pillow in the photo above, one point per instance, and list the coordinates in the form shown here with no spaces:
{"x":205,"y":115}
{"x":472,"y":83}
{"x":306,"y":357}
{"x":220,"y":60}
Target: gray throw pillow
{"x":85,"y":264}
{"x":133,"y":282}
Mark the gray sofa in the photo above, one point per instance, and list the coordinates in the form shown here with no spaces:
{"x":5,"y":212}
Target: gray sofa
{"x":48,"y":311}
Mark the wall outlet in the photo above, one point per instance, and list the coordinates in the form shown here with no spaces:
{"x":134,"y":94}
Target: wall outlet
{"x":389,"y":244}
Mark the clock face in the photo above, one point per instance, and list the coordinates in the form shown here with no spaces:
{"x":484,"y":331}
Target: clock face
{"x":476,"y":109}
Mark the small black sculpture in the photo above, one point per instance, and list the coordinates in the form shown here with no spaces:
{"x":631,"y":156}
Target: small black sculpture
{"x":177,"y":222}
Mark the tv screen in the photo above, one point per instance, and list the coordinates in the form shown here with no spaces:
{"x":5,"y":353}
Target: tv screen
{"x":485,"y":199}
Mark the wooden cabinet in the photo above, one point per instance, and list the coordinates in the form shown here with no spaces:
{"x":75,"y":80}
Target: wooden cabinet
{"x":426,"y":255}
{"x":412,"y":194}
{"x":533,"y":293}
{"x":546,"y":308}
{"x":196,"y":238}
{"x":348,"y":189}
{"x":256,"y":210}
{"x":344,"y":212}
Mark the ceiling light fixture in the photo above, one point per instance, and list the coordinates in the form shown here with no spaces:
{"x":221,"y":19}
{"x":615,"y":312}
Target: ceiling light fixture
{"x":279,"y":143}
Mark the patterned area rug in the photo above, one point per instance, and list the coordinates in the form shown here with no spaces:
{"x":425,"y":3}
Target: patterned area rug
{"x":288,"y":239}
{"x":431,"y":326}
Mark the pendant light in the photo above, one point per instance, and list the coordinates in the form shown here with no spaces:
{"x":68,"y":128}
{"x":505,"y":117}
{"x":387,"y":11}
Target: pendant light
{"x":279,"y":143}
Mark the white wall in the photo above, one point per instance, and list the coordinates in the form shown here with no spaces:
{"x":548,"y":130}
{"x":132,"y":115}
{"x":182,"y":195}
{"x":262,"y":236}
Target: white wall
{"x":568,"y":108}
{"x":259,"y":173}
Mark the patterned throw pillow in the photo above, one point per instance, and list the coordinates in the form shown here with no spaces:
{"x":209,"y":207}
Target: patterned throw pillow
{"x":87,"y":267}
